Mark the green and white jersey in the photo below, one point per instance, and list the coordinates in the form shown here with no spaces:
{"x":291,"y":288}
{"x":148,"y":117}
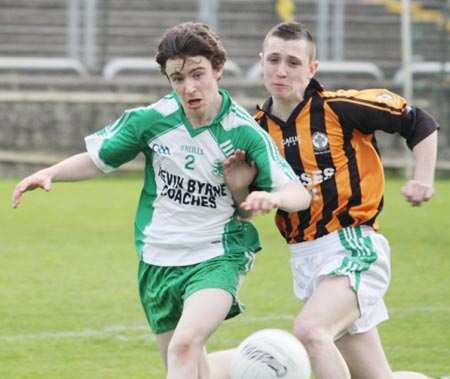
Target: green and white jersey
{"x":186,"y":213}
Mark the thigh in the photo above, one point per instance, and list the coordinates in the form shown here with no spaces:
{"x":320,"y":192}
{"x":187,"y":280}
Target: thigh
{"x":360,"y":255}
{"x":203,"y":312}
{"x":333,"y":306}
{"x":364,"y":355}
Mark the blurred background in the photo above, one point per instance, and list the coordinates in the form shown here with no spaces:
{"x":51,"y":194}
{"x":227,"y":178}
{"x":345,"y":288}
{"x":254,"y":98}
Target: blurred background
{"x":69,"y":67}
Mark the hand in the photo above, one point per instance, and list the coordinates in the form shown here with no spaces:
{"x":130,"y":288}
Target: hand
{"x":38,"y":180}
{"x":417,"y":192}
{"x":260,"y":202}
{"x":237,"y":172}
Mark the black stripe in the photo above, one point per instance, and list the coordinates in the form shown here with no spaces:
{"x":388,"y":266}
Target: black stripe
{"x":324,"y":160}
{"x":292,"y":154}
{"x":355,"y":198}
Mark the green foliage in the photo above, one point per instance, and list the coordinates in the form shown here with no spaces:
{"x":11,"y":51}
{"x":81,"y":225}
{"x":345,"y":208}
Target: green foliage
{"x":69,"y":306}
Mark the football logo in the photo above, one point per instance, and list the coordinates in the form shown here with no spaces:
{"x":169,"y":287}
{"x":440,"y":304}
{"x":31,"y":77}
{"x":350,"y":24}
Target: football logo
{"x":320,"y":141}
{"x":217,"y":168}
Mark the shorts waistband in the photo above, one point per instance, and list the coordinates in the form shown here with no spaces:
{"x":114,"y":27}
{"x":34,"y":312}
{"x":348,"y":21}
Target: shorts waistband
{"x":319,"y":244}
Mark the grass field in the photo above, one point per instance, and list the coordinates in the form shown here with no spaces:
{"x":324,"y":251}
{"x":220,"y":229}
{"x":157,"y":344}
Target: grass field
{"x":69,"y":307}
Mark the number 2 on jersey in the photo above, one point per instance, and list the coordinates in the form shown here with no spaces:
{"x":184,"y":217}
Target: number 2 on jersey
{"x":189,"y":165}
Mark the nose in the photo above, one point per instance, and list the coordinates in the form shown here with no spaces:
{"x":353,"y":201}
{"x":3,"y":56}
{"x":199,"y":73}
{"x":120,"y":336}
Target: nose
{"x":190,"y":86}
{"x":281,"y":70}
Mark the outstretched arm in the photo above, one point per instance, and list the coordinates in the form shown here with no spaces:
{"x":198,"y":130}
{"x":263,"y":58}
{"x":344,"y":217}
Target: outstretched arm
{"x":293,"y":197}
{"x":421,"y":187}
{"x":76,"y":168}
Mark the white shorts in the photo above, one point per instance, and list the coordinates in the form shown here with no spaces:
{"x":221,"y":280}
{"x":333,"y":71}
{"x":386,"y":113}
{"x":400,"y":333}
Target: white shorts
{"x":357,"y":252}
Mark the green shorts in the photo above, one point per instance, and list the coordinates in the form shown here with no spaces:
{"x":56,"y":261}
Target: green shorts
{"x":163,"y":289}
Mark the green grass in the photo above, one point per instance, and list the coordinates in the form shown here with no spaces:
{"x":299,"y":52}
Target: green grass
{"x":69,"y":307}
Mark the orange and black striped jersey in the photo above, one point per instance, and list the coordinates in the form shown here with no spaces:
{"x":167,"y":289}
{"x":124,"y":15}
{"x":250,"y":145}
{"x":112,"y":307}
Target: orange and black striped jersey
{"x":329,"y":140}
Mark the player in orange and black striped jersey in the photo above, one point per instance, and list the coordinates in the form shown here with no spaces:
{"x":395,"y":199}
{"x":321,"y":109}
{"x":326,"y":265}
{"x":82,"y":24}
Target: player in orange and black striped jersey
{"x":329,"y":141}
{"x":340,"y":262}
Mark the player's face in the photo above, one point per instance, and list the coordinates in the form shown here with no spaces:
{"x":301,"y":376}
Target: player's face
{"x":287,"y":68}
{"x":195,"y":83}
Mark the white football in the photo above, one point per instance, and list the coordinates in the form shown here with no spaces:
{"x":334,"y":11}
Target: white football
{"x":271,"y":354}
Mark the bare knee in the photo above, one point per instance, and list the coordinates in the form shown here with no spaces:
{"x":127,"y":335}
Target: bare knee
{"x":313,"y":336}
{"x":183,"y":347}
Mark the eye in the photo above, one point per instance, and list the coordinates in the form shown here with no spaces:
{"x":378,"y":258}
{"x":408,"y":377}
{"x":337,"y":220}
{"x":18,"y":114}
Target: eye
{"x":177,"y":79}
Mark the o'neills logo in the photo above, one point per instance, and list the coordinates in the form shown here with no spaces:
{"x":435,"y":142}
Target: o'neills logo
{"x":385,"y":96}
{"x":319,"y":141}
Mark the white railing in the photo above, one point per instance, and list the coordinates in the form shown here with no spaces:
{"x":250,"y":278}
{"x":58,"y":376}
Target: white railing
{"x":42,"y":65}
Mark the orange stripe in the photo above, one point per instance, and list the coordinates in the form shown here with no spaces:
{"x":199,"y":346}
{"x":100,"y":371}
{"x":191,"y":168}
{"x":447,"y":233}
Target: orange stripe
{"x":372,"y":187}
{"x":397,"y":112}
{"x":277,"y":135}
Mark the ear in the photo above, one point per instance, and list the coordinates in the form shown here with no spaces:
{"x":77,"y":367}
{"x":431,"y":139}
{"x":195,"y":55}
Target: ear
{"x":261,"y":58}
{"x":218,"y":72}
{"x":313,"y":69}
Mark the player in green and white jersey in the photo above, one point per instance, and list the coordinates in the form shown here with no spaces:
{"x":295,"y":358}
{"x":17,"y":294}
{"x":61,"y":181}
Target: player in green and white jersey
{"x":186,"y":214}
{"x":193,"y":248}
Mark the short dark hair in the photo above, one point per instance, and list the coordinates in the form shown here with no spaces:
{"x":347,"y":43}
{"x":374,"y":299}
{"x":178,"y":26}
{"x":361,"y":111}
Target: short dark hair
{"x":292,"y":30}
{"x":190,"y":39}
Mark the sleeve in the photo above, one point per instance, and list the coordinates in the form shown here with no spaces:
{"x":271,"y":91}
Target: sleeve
{"x":417,"y":124}
{"x":380,"y":109}
{"x":115,"y":144}
{"x":273,"y":170}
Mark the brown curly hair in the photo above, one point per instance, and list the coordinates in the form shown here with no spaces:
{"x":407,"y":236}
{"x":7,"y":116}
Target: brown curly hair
{"x":190,"y":39}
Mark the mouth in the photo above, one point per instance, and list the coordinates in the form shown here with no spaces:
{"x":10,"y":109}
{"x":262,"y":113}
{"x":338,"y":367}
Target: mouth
{"x":194,"y":103}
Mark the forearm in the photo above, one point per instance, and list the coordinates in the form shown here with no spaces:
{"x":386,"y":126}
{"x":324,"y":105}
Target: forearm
{"x":78,"y":167}
{"x":421,"y":187}
{"x":293,"y":197}
{"x":75,"y":168}
{"x":425,"y":153}
{"x":239,"y":197}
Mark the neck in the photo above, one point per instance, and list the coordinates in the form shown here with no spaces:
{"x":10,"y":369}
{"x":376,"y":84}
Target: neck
{"x":283,"y":108}
{"x":203,"y":119}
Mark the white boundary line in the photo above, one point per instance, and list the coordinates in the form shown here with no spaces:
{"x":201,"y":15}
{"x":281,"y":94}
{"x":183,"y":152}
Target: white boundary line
{"x":118,"y":331}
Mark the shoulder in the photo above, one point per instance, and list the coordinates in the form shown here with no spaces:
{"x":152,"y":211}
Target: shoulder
{"x":234,"y":115}
{"x":166,"y":105}
{"x":369,"y":97}
{"x":165,"y":108}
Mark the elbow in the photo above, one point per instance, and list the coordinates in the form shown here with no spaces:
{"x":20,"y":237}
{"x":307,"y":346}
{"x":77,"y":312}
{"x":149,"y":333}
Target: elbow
{"x":297,"y":198}
{"x":298,"y":204}
{"x":307,"y":202}
{"x":304,"y":203}
{"x":304,"y":198}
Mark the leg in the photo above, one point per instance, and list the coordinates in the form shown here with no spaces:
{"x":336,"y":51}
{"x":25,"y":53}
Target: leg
{"x":202,"y":314}
{"x":332,"y":308}
{"x":162,"y":340}
{"x":366,"y":359}
{"x":220,"y":363}
{"x":215,"y":365}
{"x":204,"y":367}
{"x":354,"y":348}
{"x":364,"y":355}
